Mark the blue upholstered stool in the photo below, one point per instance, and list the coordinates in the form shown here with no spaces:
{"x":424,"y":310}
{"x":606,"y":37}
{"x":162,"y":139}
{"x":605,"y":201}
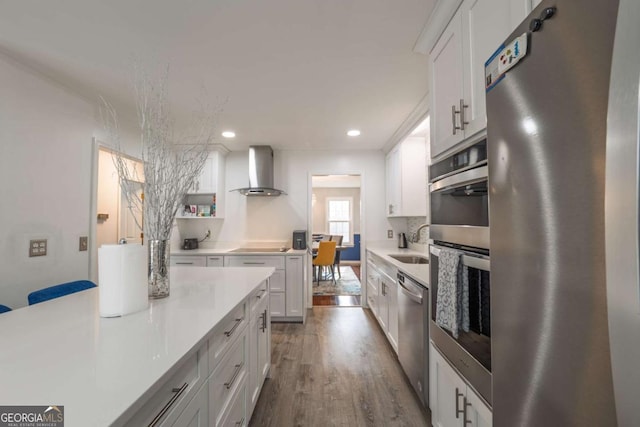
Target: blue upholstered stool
{"x":59,"y":291}
{"x":4,"y":308}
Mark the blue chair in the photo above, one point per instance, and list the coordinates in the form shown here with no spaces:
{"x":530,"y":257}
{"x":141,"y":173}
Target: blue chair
{"x":59,"y":291}
{"x":4,"y":308}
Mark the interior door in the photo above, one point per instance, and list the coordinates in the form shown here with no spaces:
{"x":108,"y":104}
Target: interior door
{"x":131,"y":216}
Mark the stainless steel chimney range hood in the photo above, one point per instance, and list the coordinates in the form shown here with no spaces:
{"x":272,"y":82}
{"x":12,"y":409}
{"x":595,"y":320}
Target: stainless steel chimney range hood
{"x":260,"y":173}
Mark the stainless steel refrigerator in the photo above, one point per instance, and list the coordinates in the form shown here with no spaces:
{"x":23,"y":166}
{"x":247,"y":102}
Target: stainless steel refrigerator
{"x":547,"y":132}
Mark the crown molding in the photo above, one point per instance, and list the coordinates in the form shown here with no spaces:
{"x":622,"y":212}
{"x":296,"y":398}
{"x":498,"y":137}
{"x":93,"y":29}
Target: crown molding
{"x":435,"y":25}
{"x":409,"y":124}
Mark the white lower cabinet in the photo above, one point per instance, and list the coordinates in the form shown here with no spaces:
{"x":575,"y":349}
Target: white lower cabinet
{"x":196,"y":414}
{"x":228,"y":376}
{"x":219,"y":384}
{"x":260,"y":349}
{"x":373,"y":281}
{"x":453,"y":403}
{"x":382,"y":275}
{"x":188,"y":260}
{"x":286,"y":285}
{"x":294,"y":286}
{"x":166,"y":405}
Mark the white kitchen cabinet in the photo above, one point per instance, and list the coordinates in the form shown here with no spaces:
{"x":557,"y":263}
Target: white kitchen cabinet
{"x":211,"y":178}
{"x":406,"y":178}
{"x":373,"y":283}
{"x":228,"y":376}
{"x":173,"y":397}
{"x":387,"y":300}
{"x":188,"y":260}
{"x":196,"y":414}
{"x":287,"y":288}
{"x":260,"y":346}
{"x":215,"y":261}
{"x":208,"y":188}
{"x":393,"y":184}
{"x":451,"y":400}
{"x":474,"y":33}
{"x":294,"y":282}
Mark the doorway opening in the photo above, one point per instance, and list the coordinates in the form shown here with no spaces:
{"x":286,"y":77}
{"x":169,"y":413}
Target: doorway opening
{"x":336,"y":217}
{"x":114,"y":219}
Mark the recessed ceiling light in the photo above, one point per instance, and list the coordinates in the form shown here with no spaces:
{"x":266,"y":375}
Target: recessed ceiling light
{"x":353,"y":132}
{"x":229,"y":134}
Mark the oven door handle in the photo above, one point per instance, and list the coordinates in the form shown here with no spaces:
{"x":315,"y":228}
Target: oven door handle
{"x":467,"y":177}
{"x":470,"y":261}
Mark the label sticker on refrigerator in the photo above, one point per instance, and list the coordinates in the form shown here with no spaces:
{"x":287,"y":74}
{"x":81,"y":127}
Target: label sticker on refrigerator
{"x":503,"y":59}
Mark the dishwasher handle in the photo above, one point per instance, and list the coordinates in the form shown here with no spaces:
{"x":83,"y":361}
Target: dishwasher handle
{"x":414,"y":297}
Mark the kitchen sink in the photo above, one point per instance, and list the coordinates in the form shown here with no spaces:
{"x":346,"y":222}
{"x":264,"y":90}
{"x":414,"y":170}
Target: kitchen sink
{"x":410,"y":259}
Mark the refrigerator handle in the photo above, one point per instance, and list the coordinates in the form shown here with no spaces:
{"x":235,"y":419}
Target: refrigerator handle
{"x":462,"y":113}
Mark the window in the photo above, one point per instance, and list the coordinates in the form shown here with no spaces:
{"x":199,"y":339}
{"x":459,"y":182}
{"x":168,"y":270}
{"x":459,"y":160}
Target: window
{"x":340,"y":217}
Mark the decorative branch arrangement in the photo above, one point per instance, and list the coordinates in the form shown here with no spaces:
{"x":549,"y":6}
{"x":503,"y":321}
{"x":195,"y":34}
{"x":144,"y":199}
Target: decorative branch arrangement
{"x":172,"y":163}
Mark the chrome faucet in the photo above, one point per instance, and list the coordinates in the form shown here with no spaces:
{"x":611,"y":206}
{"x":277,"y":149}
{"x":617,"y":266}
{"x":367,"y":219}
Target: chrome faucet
{"x":415,"y":237}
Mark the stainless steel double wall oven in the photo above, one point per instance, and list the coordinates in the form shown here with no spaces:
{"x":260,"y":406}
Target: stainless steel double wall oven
{"x":460,"y":221}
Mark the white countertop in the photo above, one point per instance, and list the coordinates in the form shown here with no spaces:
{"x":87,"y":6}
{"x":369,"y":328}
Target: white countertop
{"x":61,"y":352}
{"x":419,"y":272}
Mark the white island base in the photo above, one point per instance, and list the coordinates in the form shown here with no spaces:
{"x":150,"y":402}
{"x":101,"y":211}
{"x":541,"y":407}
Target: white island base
{"x":198,"y":357}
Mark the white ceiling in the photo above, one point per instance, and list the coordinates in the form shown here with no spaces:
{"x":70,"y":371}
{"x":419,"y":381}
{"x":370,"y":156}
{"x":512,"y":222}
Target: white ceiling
{"x":294,"y":73}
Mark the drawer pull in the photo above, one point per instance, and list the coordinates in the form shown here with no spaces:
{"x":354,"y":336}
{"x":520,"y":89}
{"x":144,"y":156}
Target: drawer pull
{"x":229,"y":383}
{"x":253,"y":263}
{"x":240,"y":423}
{"x":230,"y":332}
{"x":178,"y":392}
{"x":184,"y":263}
{"x":261,"y":293}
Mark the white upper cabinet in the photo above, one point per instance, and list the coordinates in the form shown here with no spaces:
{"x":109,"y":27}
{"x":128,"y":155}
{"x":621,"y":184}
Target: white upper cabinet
{"x":475,"y":32}
{"x":406,"y":176}
{"x":211,"y":179}
{"x":447,"y":87}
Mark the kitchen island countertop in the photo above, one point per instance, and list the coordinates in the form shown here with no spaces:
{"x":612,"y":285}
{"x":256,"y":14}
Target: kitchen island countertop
{"x":61,"y":352}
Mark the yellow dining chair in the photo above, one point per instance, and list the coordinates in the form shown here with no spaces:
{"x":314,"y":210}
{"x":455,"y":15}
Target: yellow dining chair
{"x":325,"y":258}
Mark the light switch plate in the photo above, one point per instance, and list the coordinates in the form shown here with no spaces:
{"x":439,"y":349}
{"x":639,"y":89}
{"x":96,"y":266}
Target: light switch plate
{"x":83,"y":243}
{"x":37,"y":247}
{"x":390,"y":234}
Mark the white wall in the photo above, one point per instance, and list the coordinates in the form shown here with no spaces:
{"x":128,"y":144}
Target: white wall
{"x":46,"y":135}
{"x":45,"y":138}
{"x":266,"y":219}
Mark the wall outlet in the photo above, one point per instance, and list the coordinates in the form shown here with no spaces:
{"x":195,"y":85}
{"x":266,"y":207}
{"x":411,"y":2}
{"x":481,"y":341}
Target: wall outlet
{"x":37,"y":247}
{"x":83,"y":243}
{"x":390,"y":234}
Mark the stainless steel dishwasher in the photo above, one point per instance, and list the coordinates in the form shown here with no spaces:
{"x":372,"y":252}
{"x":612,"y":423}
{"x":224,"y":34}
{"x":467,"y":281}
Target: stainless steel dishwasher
{"x":413,"y":334}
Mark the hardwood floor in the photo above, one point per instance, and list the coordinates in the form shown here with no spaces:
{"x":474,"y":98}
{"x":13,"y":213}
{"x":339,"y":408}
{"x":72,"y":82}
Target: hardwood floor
{"x":336,"y":370}
{"x":337,"y":300}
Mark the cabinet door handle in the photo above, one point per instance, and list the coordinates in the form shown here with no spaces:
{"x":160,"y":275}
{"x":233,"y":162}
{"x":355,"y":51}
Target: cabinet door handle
{"x":232,"y":330}
{"x":466,"y":404}
{"x":462,"y":114}
{"x":458,"y":410}
{"x":453,"y":119}
{"x":178,"y":392}
{"x":229,"y":383}
{"x":264,"y":320}
{"x":390,"y":209}
{"x":261,"y":293}
{"x":240,"y":423}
